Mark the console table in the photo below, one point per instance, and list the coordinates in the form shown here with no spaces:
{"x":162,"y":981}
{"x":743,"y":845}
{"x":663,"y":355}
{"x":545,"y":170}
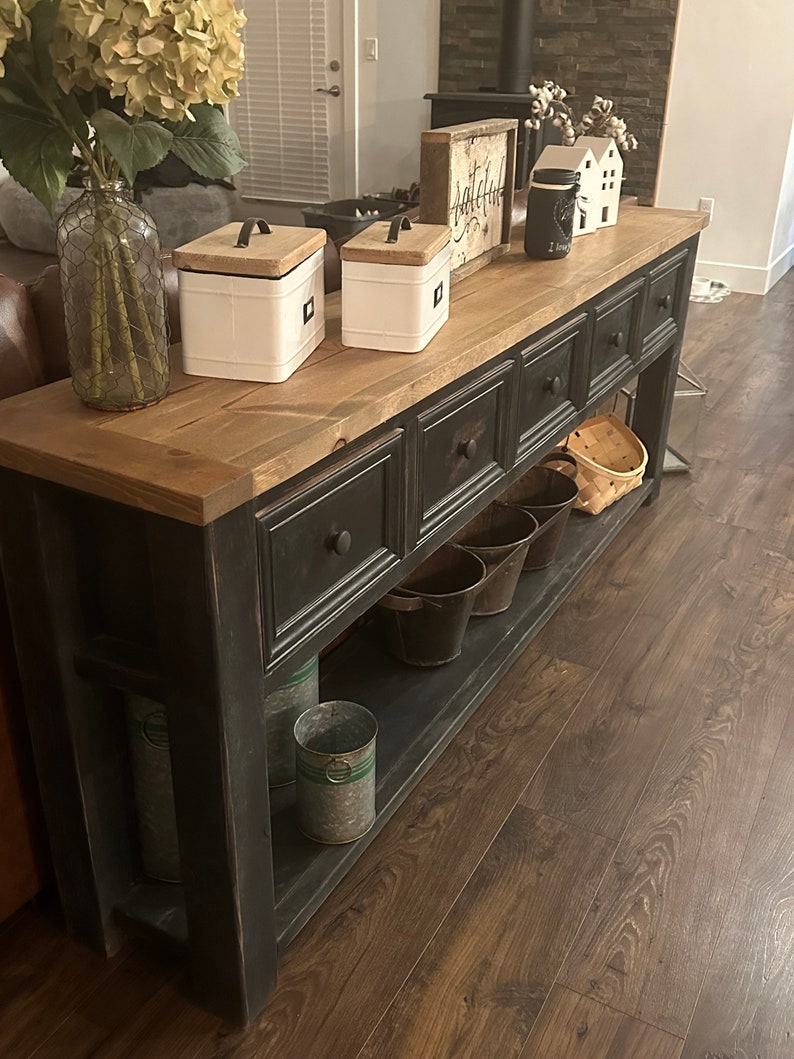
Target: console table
{"x":199,"y":551}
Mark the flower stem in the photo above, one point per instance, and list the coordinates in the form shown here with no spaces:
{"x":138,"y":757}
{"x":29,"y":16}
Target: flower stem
{"x":128,"y":263}
{"x":124,"y":331}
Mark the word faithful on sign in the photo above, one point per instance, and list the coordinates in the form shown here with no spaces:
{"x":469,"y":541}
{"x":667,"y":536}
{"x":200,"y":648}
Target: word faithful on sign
{"x":467,"y":174}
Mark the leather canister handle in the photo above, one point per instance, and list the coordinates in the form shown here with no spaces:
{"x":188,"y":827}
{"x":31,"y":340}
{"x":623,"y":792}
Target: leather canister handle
{"x":397,"y":225}
{"x":248,"y":226}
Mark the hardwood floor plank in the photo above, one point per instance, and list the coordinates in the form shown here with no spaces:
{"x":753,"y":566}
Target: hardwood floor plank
{"x":341,"y":973}
{"x":572,"y":1026}
{"x":44,"y":976}
{"x":481,"y":982}
{"x":728,"y":493}
{"x":774,"y":564}
{"x":647,"y":940}
{"x":601,"y":606}
{"x":166,"y":1027}
{"x":746,"y":1006}
{"x":88,"y":1027}
{"x":598,"y":767}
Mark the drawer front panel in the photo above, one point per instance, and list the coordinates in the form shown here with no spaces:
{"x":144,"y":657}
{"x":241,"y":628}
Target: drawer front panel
{"x":322,"y":547}
{"x":615,"y":336}
{"x":664,"y":298}
{"x":463,"y":445}
{"x":551,"y":381}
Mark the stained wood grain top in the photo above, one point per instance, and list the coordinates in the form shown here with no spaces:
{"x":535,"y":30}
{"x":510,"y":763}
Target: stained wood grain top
{"x":270,"y":254}
{"x":416,"y":244}
{"x":213,"y":444}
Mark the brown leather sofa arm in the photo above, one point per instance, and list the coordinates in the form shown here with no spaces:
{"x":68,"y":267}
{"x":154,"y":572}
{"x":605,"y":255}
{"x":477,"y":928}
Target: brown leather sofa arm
{"x":21,"y":360}
{"x":47,"y":301}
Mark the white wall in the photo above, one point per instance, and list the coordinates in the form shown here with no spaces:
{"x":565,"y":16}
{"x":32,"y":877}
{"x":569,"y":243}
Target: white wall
{"x":728,"y":135}
{"x":392,"y":112}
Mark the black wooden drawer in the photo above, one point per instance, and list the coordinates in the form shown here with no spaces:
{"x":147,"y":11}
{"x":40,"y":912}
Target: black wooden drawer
{"x":552,"y":378}
{"x":325,"y":545}
{"x":664,"y":299}
{"x":463,"y":446}
{"x":615,"y":336}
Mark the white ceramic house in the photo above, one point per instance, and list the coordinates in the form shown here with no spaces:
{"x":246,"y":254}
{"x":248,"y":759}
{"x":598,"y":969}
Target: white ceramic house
{"x":610,"y":168}
{"x":582,"y":160}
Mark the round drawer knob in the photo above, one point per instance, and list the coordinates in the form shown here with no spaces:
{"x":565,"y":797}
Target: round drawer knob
{"x":553,"y":385}
{"x":666,"y":301}
{"x":340,"y":542}
{"x":468,"y":449}
{"x":616,"y":339}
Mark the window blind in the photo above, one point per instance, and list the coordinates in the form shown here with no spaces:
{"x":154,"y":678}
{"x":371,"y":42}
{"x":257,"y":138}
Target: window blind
{"x":281,"y":121}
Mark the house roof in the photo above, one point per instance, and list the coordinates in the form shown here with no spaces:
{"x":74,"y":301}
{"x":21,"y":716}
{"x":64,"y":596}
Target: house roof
{"x":573,"y":158}
{"x":598,"y":145}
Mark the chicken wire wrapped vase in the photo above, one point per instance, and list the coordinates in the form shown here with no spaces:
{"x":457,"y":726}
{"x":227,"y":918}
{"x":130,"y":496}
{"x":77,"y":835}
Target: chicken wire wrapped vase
{"x":114,"y":300}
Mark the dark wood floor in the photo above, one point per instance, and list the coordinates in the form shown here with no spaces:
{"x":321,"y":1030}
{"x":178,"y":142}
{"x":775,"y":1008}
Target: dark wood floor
{"x":601,"y":866}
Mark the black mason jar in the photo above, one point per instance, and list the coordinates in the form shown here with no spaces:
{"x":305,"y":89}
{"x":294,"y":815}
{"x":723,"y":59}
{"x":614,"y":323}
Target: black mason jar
{"x":550,"y":208}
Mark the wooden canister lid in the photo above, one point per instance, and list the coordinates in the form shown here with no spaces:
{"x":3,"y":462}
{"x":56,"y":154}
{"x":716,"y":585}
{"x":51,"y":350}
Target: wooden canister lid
{"x":397,"y":242}
{"x":254,"y":248}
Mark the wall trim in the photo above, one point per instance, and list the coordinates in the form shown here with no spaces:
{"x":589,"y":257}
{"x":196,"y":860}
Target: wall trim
{"x":748,"y":279}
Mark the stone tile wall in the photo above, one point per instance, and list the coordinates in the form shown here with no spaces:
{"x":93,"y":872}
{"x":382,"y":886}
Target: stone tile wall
{"x":618,"y":48}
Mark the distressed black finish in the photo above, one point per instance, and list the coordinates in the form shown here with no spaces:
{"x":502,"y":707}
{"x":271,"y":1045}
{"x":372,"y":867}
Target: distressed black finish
{"x":76,"y":728}
{"x":553,"y":381}
{"x":615,"y":346}
{"x":321,"y":548}
{"x":208,"y":620}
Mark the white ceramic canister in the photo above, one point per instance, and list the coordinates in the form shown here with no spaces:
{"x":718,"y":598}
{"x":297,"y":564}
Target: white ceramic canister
{"x":252,"y":304}
{"x":395,"y":285}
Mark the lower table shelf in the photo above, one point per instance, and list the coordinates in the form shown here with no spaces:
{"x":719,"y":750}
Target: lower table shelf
{"x":419,"y":711}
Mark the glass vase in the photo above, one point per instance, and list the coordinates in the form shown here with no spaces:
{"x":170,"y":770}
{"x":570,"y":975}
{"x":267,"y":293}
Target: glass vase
{"x":114,"y":300}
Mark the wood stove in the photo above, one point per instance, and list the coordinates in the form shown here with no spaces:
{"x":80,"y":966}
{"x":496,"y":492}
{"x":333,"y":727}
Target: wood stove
{"x":509,"y":98}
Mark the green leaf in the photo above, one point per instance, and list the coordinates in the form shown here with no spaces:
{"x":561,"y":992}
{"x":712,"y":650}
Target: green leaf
{"x":42,"y":21}
{"x":134,"y":146}
{"x":36,"y":152}
{"x":207,"y":144}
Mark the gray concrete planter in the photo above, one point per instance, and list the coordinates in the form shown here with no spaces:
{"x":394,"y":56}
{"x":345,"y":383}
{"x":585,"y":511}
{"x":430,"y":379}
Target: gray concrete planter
{"x":181,"y":214}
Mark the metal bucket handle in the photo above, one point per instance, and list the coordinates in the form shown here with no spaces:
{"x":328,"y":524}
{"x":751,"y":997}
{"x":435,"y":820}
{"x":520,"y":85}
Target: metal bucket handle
{"x":489,"y":576}
{"x":560,"y":456}
{"x":414,"y":599}
{"x":542,"y":527}
{"x":392,"y":602}
{"x":338,"y":761}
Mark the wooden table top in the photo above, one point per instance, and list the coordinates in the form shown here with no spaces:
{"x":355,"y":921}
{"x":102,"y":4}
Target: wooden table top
{"x":213,"y":444}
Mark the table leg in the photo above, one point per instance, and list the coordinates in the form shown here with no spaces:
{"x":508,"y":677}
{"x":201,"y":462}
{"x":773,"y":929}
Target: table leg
{"x":208,"y":616}
{"x":77,"y":729}
{"x":655,"y":392}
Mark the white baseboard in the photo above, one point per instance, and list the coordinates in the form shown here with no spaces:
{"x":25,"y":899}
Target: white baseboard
{"x":748,"y":279}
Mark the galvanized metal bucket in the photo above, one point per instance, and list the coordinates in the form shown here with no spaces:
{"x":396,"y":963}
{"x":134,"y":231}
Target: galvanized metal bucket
{"x":282,"y":709}
{"x":335,"y":758}
{"x":153,"y":787}
{"x":424,"y":618}
{"x":500,"y":536}
{"x":549,"y":495}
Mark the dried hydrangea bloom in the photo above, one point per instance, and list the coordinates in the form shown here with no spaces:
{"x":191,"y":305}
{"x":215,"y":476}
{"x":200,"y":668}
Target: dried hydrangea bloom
{"x":14,"y":24}
{"x":162,"y":56}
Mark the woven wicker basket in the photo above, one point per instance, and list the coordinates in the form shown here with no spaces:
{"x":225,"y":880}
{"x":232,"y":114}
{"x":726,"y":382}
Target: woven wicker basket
{"x":610,"y":459}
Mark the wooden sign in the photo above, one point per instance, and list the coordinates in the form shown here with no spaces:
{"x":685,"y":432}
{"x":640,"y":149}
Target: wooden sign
{"x":466,"y":179}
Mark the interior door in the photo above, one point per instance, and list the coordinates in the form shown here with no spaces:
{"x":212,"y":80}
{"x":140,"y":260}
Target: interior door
{"x":291,"y":113}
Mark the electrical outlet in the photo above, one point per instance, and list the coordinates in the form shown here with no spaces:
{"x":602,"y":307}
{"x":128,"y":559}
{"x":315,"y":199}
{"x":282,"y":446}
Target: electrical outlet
{"x":371,"y":49}
{"x":707,"y":206}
